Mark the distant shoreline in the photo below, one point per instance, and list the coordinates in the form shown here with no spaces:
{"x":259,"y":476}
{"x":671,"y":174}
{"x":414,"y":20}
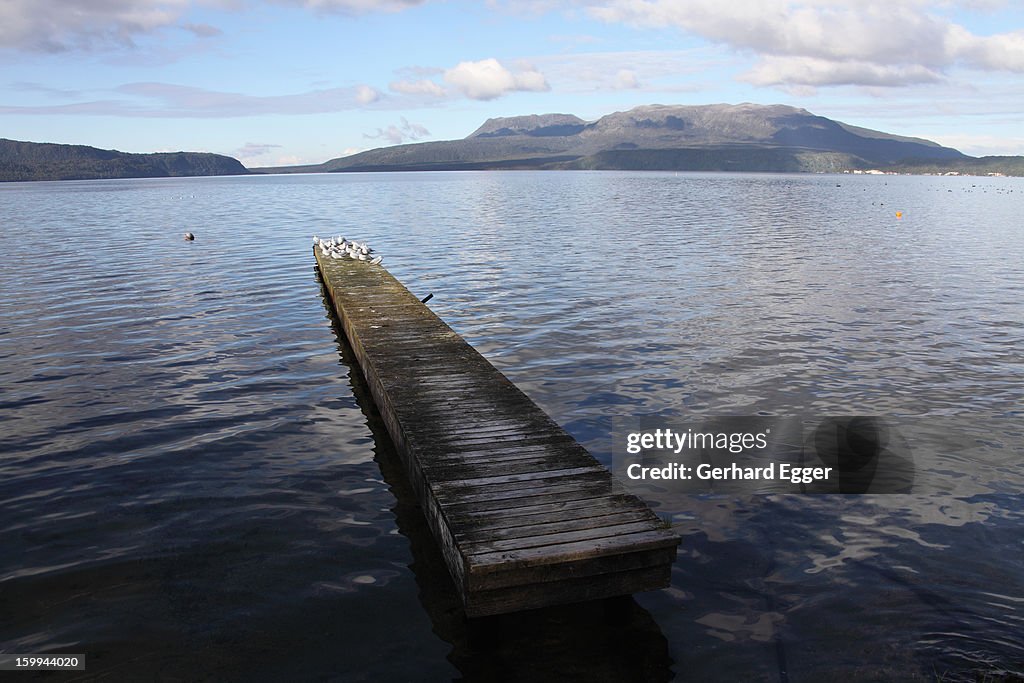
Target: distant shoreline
{"x":1014,"y":169}
{"x":750,"y":138}
{"x":270,"y":170}
{"x":29,"y":161}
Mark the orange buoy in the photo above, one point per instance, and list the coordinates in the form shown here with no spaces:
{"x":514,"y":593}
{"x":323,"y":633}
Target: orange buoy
{"x":899,"y":214}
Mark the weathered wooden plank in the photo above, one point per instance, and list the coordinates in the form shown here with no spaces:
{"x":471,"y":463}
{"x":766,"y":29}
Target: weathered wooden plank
{"x":660,"y":557}
{"x":596,"y":484}
{"x":524,"y":516}
{"x":490,"y":467}
{"x":537,"y":529}
{"x":430,"y":394}
{"x":519,"y":439}
{"x":491,"y":427}
{"x":530,"y":514}
{"x":552,"y":445}
{"x":516,"y":482}
{"x":510,"y":457}
{"x":440,"y":381}
{"x":590,"y":587}
{"x":470,"y":409}
{"x":543,"y":497}
{"x":561,"y":539}
{"x":506,"y":560}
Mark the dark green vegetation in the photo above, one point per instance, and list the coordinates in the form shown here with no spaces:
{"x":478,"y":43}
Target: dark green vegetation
{"x":46,"y":161}
{"x":718,"y":137}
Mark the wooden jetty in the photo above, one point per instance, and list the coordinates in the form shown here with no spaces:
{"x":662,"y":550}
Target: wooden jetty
{"x":525,"y":517}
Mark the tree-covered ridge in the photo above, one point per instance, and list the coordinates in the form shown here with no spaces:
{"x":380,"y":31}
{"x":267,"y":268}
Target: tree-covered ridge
{"x":49,"y":161}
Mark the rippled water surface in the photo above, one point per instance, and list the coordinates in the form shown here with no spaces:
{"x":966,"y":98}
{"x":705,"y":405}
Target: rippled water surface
{"x":194,"y":484}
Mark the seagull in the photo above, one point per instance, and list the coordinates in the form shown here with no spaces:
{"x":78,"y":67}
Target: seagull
{"x":338,"y":247}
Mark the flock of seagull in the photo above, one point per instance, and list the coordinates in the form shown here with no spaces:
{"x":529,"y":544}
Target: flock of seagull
{"x":338,"y":247}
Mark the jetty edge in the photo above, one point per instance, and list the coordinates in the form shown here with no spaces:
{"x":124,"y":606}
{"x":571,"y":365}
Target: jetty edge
{"x":524,"y":516}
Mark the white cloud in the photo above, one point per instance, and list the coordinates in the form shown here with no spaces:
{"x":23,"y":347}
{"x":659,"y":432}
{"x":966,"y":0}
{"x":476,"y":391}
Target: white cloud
{"x":397,"y":134}
{"x":366,"y":95}
{"x":252,"y":151}
{"x":55,"y":25}
{"x":661,"y":70}
{"x":417,"y":72}
{"x":202,"y":30}
{"x":810,"y":71}
{"x":626,"y":80}
{"x":1000,"y":52}
{"x":831,"y":42}
{"x":168,"y":100}
{"x":61,"y":25}
{"x":32,"y":87}
{"x":488,"y":79}
{"x":982,"y":145}
{"x":424,"y":86}
{"x":356,"y":6}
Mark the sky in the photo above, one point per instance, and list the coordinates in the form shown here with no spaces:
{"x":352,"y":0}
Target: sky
{"x":277,"y":82}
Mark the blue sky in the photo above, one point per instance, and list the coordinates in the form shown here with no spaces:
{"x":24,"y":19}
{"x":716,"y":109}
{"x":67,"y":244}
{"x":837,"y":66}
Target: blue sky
{"x":302,"y":81}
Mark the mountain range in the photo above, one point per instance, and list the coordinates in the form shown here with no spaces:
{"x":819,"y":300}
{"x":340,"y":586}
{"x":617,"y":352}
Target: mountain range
{"x":716,"y":137}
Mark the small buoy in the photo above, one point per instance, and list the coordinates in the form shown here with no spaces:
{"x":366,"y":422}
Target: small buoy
{"x":899,"y":214}
{"x":189,"y":236}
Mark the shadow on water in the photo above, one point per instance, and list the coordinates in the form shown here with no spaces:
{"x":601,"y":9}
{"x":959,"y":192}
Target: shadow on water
{"x":603,"y":640}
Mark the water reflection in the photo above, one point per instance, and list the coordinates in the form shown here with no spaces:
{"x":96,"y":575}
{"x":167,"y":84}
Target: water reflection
{"x":258,"y":539}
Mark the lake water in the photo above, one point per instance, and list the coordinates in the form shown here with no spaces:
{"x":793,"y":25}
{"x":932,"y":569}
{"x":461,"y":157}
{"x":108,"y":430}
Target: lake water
{"x":194,"y":484}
